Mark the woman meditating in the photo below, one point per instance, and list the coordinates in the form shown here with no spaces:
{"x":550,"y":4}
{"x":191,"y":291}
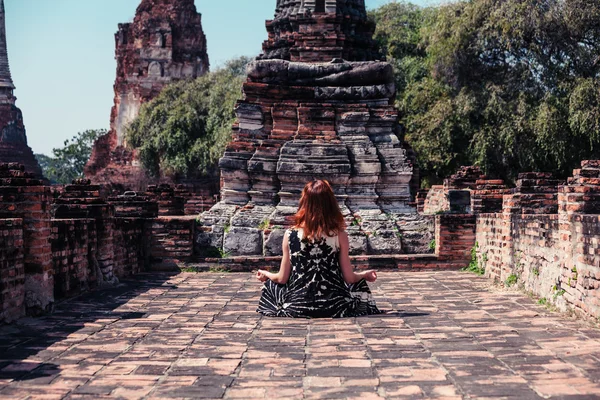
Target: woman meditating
{"x":316,"y":279}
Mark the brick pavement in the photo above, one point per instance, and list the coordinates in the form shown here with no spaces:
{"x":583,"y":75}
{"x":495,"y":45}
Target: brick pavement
{"x":198,"y":336}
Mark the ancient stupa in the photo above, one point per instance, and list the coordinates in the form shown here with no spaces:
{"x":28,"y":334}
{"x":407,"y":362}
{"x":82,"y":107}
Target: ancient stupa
{"x":164,"y":43}
{"x":13,"y":138}
{"x":317,"y":104}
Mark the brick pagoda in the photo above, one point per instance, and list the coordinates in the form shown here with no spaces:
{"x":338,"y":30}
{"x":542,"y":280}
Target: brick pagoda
{"x":317,"y":104}
{"x":164,"y":43}
{"x":13,"y":138}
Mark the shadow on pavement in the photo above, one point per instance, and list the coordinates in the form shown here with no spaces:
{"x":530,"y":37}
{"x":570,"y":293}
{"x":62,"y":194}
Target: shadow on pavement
{"x":400,"y":314}
{"x":25,"y":345}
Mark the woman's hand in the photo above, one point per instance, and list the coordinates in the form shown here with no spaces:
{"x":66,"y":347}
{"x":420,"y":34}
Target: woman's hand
{"x":262,"y":275}
{"x":370,"y":275}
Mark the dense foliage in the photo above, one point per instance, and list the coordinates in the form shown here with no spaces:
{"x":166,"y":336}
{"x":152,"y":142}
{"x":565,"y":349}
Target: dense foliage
{"x":509,"y":85}
{"x":185,"y":129}
{"x":67,"y":163}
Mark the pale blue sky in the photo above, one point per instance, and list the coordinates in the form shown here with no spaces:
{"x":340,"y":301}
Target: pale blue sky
{"x":61,"y":54}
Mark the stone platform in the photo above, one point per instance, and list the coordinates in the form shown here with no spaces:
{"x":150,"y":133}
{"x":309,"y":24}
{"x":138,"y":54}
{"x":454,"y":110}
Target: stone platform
{"x":446,"y":336}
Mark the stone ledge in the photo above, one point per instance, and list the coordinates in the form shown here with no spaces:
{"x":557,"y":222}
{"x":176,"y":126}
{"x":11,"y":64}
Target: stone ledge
{"x":404,"y":262}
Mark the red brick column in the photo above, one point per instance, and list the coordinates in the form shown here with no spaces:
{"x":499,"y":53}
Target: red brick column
{"x":39,"y":279}
{"x":23,"y":196}
{"x":455,"y":237}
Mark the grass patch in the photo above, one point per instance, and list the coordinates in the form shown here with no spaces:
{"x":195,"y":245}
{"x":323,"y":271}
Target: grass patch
{"x":397,"y":232}
{"x":264,"y":225}
{"x":214,"y":252}
{"x":511,"y":280}
{"x":575,"y":275}
{"x":432,"y":245}
{"x":474,"y":266}
{"x":218,"y":269}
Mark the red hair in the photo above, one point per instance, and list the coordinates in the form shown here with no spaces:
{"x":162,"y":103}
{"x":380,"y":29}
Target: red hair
{"x":319,"y":213}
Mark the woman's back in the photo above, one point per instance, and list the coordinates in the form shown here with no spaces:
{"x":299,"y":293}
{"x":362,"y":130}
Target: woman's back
{"x":316,"y":287}
{"x":316,"y":278}
{"x":313,"y":255}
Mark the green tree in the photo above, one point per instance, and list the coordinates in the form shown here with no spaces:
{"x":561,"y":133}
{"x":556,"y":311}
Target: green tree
{"x":510,"y":85}
{"x":67,"y":163}
{"x":398,"y":31}
{"x":185,"y":129}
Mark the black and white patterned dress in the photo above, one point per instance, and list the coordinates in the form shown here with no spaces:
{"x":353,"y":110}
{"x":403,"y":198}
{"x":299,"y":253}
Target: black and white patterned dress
{"x":316,"y":287}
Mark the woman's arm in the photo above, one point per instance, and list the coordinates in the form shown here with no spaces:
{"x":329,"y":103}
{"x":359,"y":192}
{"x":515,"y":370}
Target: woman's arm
{"x":347,"y":271}
{"x":285,"y":268}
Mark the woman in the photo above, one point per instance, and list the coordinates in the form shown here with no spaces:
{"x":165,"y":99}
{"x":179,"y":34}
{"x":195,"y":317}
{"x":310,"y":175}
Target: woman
{"x":316,"y":279}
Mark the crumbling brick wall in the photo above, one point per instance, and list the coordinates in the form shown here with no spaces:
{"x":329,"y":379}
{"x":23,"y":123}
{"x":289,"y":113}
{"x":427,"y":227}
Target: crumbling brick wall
{"x":172,"y":240}
{"x":131,"y":246}
{"x":23,"y":196}
{"x":70,"y":250}
{"x":490,"y":240}
{"x":544,"y":241}
{"x":12,"y":270}
{"x":485,"y":194}
{"x":55,"y":244}
{"x":455,"y":237}
{"x":436,"y":200}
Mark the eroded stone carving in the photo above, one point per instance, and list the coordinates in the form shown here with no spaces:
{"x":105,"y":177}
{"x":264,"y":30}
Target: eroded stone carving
{"x":316,"y":104}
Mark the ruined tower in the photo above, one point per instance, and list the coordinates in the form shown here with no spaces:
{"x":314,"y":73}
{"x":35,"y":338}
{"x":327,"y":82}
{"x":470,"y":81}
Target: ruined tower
{"x":13,"y":138}
{"x":164,"y":43}
{"x":317,"y":104}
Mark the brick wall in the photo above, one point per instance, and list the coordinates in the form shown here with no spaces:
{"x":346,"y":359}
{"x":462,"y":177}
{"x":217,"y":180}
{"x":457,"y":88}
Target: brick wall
{"x":172,"y":240}
{"x":580,"y":278}
{"x":58,"y":243}
{"x":82,"y":200}
{"x":70,"y":249}
{"x":12,"y":270}
{"x":22,"y":196}
{"x":491,"y":242}
{"x":131,"y":246}
{"x":555,"y":255}
{"x":436,"y":200}
{"x":455,"y":237}
{"x":195,"y":204}
{"x":169,"y":203}
{"x":487,"y":196}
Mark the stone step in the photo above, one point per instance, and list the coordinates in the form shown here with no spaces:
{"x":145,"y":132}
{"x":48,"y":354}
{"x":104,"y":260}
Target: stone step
{"x":404,"y":262}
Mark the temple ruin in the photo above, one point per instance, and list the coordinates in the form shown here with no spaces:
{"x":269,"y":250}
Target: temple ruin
{"x":13,"y":138}
{"x":164,"y":43}
{"x":318,"y":103}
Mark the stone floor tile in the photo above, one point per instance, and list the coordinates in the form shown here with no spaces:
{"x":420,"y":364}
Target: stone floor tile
{"x":444,"y":336}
